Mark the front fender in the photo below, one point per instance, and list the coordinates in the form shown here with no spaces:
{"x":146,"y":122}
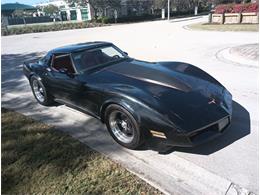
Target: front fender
{"x":147,"y":117}
{"x":128,"y":103}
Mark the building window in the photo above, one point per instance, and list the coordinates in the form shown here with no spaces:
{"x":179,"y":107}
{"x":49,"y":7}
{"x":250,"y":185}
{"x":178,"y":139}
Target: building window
{"x":84,"y":14}
{"x":73,"y":15}
{"x":63,"y":16}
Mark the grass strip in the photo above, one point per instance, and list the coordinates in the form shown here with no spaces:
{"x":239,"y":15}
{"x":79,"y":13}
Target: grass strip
{"x":37,"y":159}
{"x":224,"y":27}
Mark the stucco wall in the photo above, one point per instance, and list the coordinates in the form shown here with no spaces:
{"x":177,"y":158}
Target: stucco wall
{"x":235,"y":18}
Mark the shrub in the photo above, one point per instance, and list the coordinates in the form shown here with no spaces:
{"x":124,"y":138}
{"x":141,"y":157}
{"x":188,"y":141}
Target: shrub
{"x":236,"y":8}
{"x":253,"y":7}
{"x":221,"y":9}
{"x":4,"y":32}
{"x":46,"y":28}
{"x":105,"y":20}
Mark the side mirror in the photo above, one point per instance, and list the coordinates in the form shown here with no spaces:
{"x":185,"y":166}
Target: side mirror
{"x":125,"y":53}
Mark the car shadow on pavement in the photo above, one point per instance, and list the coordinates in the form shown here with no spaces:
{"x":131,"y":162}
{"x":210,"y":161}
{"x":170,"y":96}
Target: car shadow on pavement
{"x":240,"y":127}
{"x":12,"y":70}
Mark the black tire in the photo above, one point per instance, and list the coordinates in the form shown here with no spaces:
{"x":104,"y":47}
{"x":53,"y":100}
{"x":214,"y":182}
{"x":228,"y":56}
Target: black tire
{"x":136,"y":135}
{"x":47,"y":98}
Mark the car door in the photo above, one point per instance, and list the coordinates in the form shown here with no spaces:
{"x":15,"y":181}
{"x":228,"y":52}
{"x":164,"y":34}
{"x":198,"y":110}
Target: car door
{"x":69,"y":87}
{"x":62,"y":78}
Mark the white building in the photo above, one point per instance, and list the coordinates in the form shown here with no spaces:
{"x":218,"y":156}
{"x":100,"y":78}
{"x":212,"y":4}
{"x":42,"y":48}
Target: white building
{"x":69,"y":12}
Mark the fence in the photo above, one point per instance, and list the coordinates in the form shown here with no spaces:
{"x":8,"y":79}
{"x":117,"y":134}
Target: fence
{"x":29,"y":20}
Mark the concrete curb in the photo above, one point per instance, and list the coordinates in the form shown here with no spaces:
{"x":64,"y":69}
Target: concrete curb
{"x":184,"y":176}
{"x":185,"y":19}
{"x":224,"y":55}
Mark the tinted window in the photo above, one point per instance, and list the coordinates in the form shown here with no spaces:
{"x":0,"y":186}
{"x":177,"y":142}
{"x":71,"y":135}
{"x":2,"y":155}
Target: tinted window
{"x":91,"y":58}
{"x":63,"y":62}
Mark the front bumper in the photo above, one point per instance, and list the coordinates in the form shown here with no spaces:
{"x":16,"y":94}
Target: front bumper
{"x":198,"y":136}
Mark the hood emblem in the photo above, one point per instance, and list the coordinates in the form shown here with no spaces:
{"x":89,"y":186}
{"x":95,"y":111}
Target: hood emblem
{"x":212,"y":101}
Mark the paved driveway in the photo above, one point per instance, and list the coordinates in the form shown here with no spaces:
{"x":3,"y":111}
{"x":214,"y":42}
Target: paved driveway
{"x":233,"y":157}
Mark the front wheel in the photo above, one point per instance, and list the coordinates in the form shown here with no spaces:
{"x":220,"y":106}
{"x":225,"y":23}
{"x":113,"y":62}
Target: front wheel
{"x":123,"y":127}
{"x":40,"y":93}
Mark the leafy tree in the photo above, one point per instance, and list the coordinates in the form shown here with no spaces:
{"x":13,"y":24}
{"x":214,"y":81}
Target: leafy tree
{"x":50,"y":9}
{"x":216,"y":2}
{"x":139,"y":7}
{"x":159,"y":4}
{"x":99,"y":6}
{"x":18,"y":13}
{"x":78,"y":2}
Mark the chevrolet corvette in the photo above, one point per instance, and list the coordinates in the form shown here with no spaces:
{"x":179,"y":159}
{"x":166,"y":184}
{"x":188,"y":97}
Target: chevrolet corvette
{"x":173,"y":102}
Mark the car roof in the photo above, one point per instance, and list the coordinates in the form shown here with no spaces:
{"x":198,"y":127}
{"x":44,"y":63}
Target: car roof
{"x":80,"y":47}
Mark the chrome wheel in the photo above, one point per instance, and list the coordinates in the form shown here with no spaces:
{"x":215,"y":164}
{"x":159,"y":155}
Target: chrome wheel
{"x":38,"y":90}
{"x":121,"y":126}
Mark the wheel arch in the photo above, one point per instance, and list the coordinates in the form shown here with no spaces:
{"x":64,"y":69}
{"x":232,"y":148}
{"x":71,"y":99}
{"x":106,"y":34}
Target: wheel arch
{"x":34,"y":75}
{"x":126,"y":104}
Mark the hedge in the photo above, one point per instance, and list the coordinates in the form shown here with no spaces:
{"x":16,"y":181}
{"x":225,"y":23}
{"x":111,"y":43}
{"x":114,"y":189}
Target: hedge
{"x":236,"y":8}
{"x":66,"y":26}
{"x":144,"y":17}
{"x":46,"y":28}
{"x":126,"y":19}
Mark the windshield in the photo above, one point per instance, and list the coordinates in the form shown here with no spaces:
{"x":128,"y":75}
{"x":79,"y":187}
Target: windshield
{"x":45,"y":60}
{"x":95,"y":57}
{"x":42,"y":61}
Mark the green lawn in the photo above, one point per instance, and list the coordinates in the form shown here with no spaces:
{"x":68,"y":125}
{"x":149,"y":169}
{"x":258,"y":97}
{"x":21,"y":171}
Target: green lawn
{"x":224,"y":27}
{"x":37,"y":159}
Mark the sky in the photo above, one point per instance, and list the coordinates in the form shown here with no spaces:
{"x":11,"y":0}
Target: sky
{"x":27,"y":2}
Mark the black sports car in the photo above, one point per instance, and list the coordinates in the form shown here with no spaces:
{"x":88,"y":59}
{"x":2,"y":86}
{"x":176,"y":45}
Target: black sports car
{"x":175,"y":102}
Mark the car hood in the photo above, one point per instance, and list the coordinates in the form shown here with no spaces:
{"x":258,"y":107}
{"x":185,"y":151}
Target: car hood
{"x":186,"y":95}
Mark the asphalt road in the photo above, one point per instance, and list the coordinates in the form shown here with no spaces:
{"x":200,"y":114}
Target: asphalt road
{"x":233,"y":157}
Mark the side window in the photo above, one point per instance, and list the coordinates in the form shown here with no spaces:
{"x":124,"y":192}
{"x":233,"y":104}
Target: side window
{"x":62,"y":62}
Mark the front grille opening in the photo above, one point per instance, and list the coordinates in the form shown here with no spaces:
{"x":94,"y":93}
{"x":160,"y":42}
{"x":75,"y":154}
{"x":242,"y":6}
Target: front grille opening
{"x":204,"y":133}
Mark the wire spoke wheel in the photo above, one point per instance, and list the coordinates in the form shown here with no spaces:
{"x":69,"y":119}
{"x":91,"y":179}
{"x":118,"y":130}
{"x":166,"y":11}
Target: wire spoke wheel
{"x":121,"y":126}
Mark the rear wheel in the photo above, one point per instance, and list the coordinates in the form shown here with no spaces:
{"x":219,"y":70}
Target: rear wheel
{"x":123,"y":127}
{"x":40,"y":93}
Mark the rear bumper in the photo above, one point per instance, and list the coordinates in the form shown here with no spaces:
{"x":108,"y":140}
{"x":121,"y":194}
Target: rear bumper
{"x":198,"y":136}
